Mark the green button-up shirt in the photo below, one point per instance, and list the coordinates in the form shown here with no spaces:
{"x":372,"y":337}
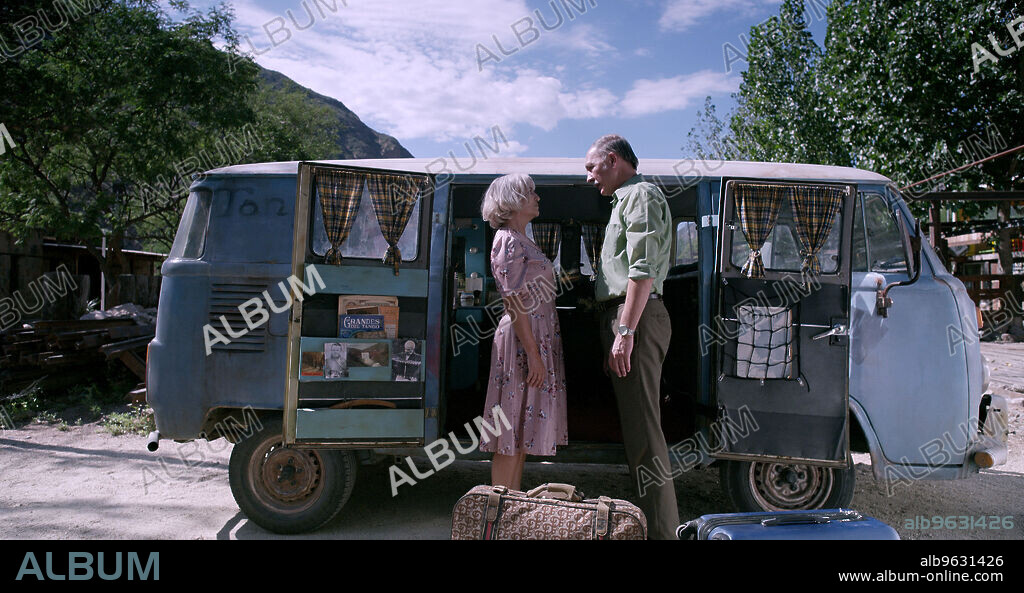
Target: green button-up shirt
{"x":637,"y":240}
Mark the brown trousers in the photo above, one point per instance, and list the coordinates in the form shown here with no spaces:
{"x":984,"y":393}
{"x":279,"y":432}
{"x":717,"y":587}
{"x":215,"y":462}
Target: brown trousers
{"x":638,"y":396}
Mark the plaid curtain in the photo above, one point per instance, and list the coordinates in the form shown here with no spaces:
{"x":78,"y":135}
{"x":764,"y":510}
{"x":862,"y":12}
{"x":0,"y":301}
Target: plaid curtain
{"x":814,"y":210}
{"x":547,"y":235}
{"x":593,"y":237}
{"x":339,"y":193}
{"x":758,"y":207}
{"x":394,"y":197}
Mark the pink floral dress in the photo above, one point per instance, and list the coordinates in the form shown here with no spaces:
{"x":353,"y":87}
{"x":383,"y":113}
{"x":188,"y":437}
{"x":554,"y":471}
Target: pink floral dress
{"x":537,"y":415}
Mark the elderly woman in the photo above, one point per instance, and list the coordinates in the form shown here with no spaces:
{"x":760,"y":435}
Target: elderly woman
{"x":527,"y":371}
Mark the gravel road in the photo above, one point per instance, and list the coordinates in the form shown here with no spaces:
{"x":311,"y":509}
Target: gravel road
{"x":85,"y":484}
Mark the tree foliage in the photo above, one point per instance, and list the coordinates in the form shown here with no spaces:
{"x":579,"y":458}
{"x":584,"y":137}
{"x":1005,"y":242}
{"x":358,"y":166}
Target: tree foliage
{"x":895,"y":90}
{"x":122,"y":99}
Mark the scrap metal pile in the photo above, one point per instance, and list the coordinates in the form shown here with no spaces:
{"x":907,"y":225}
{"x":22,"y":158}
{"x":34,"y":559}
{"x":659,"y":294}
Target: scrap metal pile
{"x":68,"y":349}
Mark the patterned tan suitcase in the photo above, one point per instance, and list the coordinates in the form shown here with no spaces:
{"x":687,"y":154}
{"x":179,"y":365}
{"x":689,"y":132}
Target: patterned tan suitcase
{"x":551,"y":511}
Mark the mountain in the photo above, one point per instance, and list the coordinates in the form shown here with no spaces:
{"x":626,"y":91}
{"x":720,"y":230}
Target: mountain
{"x":356,"y":140}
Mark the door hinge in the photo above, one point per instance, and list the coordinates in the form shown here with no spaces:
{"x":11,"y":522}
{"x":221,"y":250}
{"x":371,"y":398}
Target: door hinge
{"x":709,"y":220}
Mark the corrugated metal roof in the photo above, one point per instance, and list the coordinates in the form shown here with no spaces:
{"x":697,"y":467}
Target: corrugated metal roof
{"x":564,"y":167}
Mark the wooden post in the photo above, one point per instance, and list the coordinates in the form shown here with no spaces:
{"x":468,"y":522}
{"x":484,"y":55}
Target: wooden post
{"x":1004,"y":247}
{"x":935,"y":232}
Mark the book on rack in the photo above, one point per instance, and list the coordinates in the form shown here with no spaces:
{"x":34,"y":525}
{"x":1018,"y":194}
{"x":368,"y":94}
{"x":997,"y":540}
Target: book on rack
{"x":366,"y":305}
{"x":360,"y":326}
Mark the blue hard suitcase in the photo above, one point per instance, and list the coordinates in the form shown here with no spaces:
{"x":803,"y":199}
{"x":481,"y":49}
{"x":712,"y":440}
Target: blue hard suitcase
{"x":825,"y":524}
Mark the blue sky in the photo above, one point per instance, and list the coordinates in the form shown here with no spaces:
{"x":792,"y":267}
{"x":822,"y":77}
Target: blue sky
{"x":430,"y":72}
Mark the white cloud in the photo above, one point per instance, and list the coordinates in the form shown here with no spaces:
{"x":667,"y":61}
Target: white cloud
{"x":409,"y":67}
{"x":680,"y":15}
{"x":668,"y":94}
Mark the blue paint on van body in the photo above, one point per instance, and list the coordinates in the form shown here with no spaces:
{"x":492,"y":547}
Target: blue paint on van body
{"x":901,"y":396}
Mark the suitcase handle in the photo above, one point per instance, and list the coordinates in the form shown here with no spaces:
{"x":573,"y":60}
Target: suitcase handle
{"x":556,"y":491}
{"x":819,"y":519}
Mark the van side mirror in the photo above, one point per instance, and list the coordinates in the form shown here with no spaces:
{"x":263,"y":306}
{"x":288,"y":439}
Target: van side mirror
{"x":882,"y":300}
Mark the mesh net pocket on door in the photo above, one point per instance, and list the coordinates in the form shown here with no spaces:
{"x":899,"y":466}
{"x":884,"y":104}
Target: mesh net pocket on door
{"x":764,"y":342}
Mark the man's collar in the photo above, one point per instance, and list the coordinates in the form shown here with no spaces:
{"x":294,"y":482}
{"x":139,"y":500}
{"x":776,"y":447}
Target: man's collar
{"x":631,"y":181}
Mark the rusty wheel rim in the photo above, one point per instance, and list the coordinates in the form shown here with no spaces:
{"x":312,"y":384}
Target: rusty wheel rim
{"x":788,"y":487}
{"x":286,"y":479}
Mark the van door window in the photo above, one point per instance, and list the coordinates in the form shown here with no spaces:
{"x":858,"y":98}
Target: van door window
{"x":365,"y":239}
{"x":781,"y":251}
{"x":885,"y":245}
{"x":686,"y":243}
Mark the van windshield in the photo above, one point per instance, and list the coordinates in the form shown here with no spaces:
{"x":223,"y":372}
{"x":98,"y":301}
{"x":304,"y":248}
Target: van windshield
{"x":190,"y":240}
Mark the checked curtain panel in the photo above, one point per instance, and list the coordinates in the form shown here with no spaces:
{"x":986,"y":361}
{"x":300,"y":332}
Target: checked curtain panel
{"x":814,"y":211}
{"x":393,"y":198}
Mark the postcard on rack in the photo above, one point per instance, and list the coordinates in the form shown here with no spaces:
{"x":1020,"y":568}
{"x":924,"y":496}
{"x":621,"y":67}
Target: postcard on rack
{"x":406,"y":360}
{"x":386,"y":306}
{"x":335,"y":360}
{"x":312,"y":364}
{"x":373,"y":354}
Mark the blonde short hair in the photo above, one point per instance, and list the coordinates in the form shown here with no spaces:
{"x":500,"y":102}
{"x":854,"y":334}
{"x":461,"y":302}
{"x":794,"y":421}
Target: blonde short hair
{"x":506,"y":196}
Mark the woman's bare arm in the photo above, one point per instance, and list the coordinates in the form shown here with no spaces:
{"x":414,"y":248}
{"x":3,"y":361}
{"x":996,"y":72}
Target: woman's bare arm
{"x":520,"y":317}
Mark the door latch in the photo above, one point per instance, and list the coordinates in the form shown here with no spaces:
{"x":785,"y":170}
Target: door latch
{"x":837,"y":330}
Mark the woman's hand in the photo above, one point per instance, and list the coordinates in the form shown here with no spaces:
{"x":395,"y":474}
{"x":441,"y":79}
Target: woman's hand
{"x":538,"y":370}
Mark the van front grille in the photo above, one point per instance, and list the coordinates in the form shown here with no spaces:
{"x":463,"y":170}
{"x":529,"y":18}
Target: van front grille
{"x":225,"y":299}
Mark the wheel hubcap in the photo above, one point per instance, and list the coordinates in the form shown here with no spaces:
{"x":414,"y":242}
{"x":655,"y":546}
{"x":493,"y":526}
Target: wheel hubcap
{"x":782,"y":487}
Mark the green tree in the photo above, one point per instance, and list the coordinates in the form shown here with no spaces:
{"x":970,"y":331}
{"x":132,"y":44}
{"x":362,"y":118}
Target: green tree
{"x":906,"y":96}
{"x":781,"y":102}
{"x":896,"y":90}
{"x":112,"y":112}
{"x":782,"y":112}
{"x":111,"y":100}
{"x":287,"y":126}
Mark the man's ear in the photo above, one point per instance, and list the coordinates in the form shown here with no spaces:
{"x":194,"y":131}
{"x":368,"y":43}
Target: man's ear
{"x":613,"y":159}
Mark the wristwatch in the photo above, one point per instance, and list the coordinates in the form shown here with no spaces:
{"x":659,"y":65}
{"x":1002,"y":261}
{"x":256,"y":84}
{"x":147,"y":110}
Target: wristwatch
{"x":625,"y":331}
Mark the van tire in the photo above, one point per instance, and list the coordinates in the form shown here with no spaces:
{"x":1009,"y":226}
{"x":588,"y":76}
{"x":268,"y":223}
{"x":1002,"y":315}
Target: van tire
{"x":744,"y":484}
{"x":299,"y":491}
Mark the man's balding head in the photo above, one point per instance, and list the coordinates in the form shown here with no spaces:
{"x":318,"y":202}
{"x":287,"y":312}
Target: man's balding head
{"x":610,"y":162}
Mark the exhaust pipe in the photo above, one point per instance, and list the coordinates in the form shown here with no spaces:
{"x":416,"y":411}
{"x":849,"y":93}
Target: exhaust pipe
{"x":154,"y":440}
{"x":990,"y":456}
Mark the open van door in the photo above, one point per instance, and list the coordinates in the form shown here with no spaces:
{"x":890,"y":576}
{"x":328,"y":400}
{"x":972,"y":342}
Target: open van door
{"x":364,"y":340}
{"x":781,"y":342}
{"x":364,"y":398}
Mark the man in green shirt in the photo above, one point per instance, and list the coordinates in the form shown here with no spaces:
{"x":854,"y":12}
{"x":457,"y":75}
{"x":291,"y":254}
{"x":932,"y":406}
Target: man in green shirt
{"x":635,"y":326}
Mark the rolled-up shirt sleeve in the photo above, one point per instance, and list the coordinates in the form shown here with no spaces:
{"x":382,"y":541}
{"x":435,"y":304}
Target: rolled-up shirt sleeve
{"x":643,"y":225}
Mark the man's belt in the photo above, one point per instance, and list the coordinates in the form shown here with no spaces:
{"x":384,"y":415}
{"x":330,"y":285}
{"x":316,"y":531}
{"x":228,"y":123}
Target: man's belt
{"x":614,"y":303}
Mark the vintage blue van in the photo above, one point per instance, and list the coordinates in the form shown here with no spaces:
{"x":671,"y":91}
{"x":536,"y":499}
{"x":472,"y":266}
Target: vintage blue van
{"x":327,"y":315}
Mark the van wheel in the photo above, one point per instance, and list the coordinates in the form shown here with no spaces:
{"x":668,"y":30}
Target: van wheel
{"x":758,"y":486}
{"x":289,"y":490}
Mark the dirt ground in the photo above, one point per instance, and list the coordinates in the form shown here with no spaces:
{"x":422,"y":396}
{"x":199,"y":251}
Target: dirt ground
{"x":85,"y":484}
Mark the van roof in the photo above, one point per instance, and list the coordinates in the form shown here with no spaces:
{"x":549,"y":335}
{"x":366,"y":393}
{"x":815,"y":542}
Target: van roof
{"x":569,"y":167}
